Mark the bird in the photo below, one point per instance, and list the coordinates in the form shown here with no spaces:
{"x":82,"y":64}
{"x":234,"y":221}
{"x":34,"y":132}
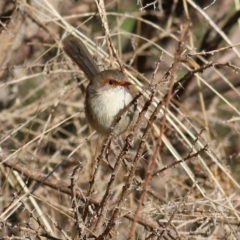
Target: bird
{"x":107,"y":93}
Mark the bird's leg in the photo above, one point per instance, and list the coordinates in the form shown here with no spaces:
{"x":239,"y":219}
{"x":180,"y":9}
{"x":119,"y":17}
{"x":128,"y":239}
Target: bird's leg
{"x":108,"y":149}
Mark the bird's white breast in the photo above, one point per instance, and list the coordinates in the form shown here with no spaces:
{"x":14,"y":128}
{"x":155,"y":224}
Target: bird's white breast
{"x":104,"y":108}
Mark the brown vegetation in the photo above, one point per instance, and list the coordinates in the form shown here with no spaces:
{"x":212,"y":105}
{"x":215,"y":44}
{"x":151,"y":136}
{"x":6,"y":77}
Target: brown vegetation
{"x":174,"y":174}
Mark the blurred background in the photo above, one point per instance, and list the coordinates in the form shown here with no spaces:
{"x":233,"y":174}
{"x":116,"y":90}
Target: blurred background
{"x":174,"y":174}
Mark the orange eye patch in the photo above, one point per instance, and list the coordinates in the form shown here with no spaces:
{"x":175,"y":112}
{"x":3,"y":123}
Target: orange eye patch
{"x":113,"y":82}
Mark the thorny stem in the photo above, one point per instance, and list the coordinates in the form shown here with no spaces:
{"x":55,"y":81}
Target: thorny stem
{"x":116,"y":211}
{"x":159,"y":142}
{"x":103,"y":151}
{"x":118,"y":161}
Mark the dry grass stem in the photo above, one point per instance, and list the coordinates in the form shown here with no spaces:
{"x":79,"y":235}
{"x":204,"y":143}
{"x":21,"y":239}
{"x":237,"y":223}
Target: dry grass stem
{"x":173,"y":174}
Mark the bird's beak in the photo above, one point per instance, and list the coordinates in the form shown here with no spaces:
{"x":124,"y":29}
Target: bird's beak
{"x":124,"y":83}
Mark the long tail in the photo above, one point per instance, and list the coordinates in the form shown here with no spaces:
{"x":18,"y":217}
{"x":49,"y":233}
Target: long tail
{"x":79,"y":53}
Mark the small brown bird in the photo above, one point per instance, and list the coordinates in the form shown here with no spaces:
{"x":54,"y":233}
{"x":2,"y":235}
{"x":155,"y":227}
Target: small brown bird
{"x":107,"y":92}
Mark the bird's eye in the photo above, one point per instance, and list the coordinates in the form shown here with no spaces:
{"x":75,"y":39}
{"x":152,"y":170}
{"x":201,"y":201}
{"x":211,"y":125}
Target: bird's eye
{"x":111,"y":82}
